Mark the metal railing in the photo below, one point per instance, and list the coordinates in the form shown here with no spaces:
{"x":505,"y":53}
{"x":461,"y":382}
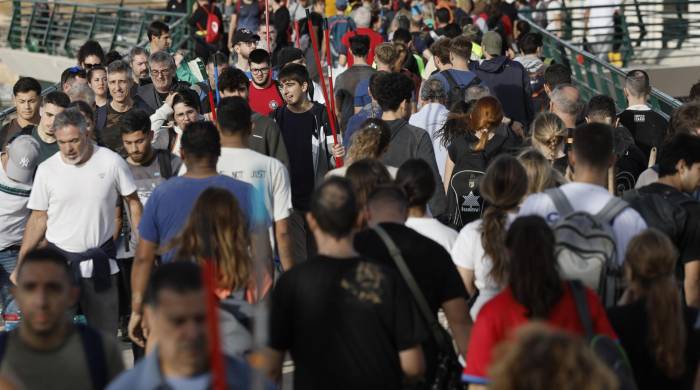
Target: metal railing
{"x":641,"y":31}
{"x":60,"y":28}
{"x":594,"y":76}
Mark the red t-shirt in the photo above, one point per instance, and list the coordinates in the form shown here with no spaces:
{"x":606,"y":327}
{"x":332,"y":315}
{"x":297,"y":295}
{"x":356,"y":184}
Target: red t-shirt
{"x":500,"y":316}
{"x":375,"y":39}
{"x":264,"y":101}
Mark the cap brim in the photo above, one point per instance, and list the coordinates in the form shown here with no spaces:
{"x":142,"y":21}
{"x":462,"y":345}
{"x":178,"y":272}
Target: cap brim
{"x":18,"y":173}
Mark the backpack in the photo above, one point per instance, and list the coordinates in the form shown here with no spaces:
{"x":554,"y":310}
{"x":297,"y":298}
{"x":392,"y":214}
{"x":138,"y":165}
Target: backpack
{"x":606,"y":349}
{"x":457,"y":92}
{"x":213,"y":25}
{"x":93,"y":348}
{"x":165,"y":164}
{"x":585,"y":245}
{"x":464,"y":201}
{"x":337,"y":27}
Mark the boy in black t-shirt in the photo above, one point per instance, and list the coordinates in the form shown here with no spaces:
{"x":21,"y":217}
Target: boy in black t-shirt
{"x":647,"y":126}
{"x":348,"y":323}
{"x":668,"y":206}
{"x":306,"y":133}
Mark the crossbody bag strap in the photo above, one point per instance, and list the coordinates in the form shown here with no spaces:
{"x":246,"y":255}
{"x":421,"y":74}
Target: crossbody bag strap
{"x":579,"y":293}
{"x":418,"y":296}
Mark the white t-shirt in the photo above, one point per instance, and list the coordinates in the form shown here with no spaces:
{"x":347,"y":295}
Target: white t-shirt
{"x":431,"y":118}
{"x":554,"y":13}
{"x":434,"y":230}
{"x":265,"y":173}
{"x":468,"y":253}
{"x":601,"y":16}
{"x":13,"y":210}
{"x":80,"y":201}
{"x":591,"y":199}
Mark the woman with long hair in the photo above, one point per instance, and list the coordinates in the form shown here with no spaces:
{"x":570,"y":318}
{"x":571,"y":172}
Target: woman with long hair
{"x":479,"y":251}
{"x":364,"y":176}
{"x":534,"y":291}
{"x":540,"y":173}
{"x":549,"y":137}
{"x":655,"y":328}
{"x":217,"y":230}
{"x":486,"y":135}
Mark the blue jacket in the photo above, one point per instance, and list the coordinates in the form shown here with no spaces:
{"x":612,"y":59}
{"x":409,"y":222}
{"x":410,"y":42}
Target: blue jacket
{"x":147,"y":375}
{"x":509,"y":82}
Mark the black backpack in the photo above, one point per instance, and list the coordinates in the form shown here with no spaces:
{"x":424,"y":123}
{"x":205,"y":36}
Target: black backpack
{"x":457,"y":92}
{"x":165,"y":164}
{"x":464,"y":201}
{"x":606,"y":349}
{"x":93,"y":349}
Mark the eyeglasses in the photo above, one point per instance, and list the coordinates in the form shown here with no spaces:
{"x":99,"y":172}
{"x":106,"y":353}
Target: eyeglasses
{"x":164,"y":72}
{"x":260,"y":71}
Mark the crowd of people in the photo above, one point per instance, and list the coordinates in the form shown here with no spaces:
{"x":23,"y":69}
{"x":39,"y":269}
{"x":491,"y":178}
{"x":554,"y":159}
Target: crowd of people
{"x":446,"y":211}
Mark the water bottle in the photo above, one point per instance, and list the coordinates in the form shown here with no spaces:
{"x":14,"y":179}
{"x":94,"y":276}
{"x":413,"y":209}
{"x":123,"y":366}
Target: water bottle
{"x":11,"y":320}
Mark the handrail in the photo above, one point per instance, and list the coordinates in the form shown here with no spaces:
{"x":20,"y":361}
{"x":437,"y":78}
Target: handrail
{"x":594,"y":76}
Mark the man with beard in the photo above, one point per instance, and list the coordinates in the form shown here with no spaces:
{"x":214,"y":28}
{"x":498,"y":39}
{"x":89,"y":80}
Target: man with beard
{"x":138,"y":60}
{"x":72,"y":203}
{"x":264,"y":94}
{"x":47,"y":350}
{"x":149,"y":167}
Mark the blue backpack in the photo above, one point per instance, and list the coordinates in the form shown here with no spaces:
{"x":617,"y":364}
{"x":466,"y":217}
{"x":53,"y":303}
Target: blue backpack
{"x":337,"y":27}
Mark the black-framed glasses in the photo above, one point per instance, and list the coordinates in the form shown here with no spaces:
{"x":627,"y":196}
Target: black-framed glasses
{"x":90,"y":66}
{"x":260,"y":71}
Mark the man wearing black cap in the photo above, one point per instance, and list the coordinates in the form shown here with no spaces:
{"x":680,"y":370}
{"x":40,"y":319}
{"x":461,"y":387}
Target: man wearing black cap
{"x":243,"y":42}
{"x":17,"y":167}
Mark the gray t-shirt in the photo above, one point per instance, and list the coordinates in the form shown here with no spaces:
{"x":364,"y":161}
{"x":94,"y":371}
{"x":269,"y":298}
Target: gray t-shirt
{"x":63,"y":368}
{"x":146,"y":177}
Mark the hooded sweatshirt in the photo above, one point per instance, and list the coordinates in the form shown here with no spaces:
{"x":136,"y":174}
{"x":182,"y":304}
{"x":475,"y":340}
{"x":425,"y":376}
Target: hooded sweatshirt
{"x":510,"y":83}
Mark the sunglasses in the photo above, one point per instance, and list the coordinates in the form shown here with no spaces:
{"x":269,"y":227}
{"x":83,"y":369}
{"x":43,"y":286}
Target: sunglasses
{"x":90,"y":66}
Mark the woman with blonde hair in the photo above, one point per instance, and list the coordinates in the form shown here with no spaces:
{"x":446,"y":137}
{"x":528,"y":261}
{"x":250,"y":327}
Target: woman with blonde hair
{"x":549,"y":137}
{"x":370,"y":141}
{"x":655,"y":328}
{"x":540,"y":173}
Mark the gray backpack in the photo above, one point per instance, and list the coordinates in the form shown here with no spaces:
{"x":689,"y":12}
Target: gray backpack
{"x":585,"y":246}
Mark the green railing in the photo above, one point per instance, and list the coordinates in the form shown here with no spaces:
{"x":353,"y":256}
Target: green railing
{"x":642,"y":31}
{"x":594,"y":76}
{"x":60,"y":28}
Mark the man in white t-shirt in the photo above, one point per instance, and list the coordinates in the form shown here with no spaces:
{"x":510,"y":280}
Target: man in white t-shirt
{"x":265,"y":173}
{"x":17,"y":167}
{"x":432,"y":116}
{"x":599,"y":26}
{"x":73,"y":208}
{"x":592,"y":156}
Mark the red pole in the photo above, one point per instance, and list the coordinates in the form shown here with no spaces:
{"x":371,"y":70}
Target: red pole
{"x":329,"y":60}
{"x":267,"y":24}
{"x":213,"y":106}
{"x":331,"y":116}
{"x":215,"y":354}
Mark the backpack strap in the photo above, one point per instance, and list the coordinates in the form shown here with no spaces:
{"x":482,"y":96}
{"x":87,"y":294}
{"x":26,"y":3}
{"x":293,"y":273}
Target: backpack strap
{"x":579,"y":294}
{"x":475,"y":81}
{"x":94,"y":355}
{"x":450,"y":80}
{"x":614,"y":207}
{"x":561,"y":203}
{"x":164,"y":164}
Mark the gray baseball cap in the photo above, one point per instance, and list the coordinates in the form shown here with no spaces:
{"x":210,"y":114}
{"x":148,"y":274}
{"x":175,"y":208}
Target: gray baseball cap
{"x":23,"y":157}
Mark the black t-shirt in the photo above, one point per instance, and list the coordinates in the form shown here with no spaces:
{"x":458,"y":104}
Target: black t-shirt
{"x":631,"y":325}
{"x":647,"y":127}
{"x":298,"y":133}
{"x":688,"y":241}
{"x":429,"y":263}
{"x":110,"y":136}
{"x":344,"y":322}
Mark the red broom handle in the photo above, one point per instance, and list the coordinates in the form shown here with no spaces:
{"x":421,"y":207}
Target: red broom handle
{"x":329,"y":60}
{"x":331,"y":117}
{"x":215,"y":353}
{"x":213,"y":106}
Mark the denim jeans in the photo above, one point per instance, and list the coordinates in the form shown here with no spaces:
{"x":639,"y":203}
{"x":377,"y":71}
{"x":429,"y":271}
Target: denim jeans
{"x":8,"y":260}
